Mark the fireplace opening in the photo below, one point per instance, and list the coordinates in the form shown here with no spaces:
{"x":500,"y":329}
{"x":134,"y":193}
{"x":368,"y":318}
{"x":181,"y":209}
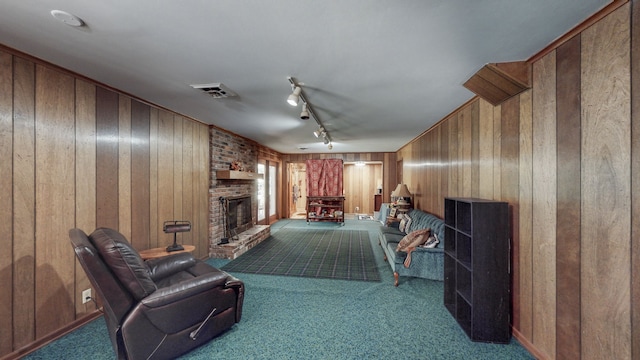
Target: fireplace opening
{"x":238,"y":215}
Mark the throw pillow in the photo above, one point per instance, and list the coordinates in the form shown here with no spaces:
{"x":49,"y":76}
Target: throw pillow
{"x":432,"y":241}
{"x":415,"y":238}
{"x":403,"y":222}
{"x":407,"y":224}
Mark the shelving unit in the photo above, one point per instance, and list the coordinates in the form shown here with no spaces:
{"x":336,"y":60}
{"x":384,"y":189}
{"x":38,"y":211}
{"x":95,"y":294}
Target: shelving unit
{"x":476,"y":267}
{"x":325,"y":208}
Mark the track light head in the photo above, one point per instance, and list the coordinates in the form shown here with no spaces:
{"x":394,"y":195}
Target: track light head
{"x":295,"y":96}
{"x":304,"y":115}
{"x":330,"y":146}
{"x":326,"y":140}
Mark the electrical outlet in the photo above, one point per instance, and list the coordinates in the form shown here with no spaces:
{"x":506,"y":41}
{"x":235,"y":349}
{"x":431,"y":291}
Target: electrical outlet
{"x":86,"y":296}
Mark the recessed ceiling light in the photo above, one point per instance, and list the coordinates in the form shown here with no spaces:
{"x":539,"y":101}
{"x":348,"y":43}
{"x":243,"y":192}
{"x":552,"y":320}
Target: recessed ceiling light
{"x":67,"y":18}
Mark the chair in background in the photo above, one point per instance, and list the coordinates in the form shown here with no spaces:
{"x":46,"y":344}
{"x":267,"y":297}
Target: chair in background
{"x":159,"y":308}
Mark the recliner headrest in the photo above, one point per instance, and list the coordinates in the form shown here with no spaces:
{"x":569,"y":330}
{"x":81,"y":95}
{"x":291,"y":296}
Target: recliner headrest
{"x":124,"y":261}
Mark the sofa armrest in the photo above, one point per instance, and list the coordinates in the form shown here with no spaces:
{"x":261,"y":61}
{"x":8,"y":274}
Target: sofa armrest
{"x":420,"y":249}
{"x":163,"y":267}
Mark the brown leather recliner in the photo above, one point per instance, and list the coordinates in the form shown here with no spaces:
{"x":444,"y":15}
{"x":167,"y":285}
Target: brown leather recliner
{"x":159,"y":308}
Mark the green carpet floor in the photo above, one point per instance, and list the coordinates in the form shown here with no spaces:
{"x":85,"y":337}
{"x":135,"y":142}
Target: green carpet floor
{"x":305,"y":318}
{"x":316,"y":253}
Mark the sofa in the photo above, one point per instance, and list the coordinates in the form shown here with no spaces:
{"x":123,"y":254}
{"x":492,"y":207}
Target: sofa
{"x":427,"y":263}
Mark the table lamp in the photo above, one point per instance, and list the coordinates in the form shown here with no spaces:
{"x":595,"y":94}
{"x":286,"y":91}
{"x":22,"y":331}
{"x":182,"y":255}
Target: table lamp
{"x":174,"y":227}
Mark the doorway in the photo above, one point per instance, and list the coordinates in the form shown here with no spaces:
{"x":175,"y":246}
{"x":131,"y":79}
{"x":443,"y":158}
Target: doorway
{"x":267,"y":192}
{"x":297,"y":188}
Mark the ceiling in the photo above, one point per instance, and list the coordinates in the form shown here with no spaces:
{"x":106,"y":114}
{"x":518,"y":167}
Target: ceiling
{"x":376,"y":73}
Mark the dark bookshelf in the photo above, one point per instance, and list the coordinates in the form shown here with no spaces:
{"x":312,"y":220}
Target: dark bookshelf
{"x":476,"y":267}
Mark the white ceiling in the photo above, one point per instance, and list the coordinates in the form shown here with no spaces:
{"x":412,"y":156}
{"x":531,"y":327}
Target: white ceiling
{"x":377,"y":73}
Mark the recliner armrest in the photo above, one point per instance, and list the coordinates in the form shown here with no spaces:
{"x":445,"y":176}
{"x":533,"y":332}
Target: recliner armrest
{"x":163,"y":267}
{"x":184,"y":289}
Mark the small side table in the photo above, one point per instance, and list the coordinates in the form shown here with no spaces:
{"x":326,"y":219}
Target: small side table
{"x":162,"y":251}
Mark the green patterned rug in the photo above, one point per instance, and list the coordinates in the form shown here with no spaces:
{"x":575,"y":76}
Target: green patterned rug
{"x":315,"y":253}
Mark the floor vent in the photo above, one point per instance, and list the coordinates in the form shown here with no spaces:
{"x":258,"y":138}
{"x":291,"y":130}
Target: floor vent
{"x":215,"y":90}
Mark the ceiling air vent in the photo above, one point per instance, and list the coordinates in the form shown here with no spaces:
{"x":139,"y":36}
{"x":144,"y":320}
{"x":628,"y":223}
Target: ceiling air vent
{"x":215,"y":90}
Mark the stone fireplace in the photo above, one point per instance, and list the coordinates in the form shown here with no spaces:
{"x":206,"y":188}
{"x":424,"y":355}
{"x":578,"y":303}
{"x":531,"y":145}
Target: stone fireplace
{"x":240,"y":193}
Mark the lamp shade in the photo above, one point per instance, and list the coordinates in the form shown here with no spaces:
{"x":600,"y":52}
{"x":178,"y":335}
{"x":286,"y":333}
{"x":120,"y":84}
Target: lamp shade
{"x":402,"y":191}
{"x":394,"y":193}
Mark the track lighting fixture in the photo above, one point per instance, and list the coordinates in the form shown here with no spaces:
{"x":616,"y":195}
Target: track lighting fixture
{"x":307,"y":111}
{"x":330,"y":146}
{"x":295,"y":96}
{"x":304,"y":115}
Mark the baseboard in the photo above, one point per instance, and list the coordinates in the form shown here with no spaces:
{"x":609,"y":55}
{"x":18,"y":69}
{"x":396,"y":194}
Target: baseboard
{"x":28,"y":349}
{"x":528,"y":345}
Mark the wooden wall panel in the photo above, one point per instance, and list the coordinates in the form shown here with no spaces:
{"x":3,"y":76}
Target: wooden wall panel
{"x":544,"y":203}
{"x":485,"y":150}
{"x":497,"y":152}
{"x":465,"y":143}
{"x":187,"y":183}
{"x":196,"y":237}
{"x":177,"y":167}
{"x":444,"y":168}
{"x":23,"y":202}
{"x":509,"y":179}
{"x":55,"y":200}
{"x":509,"y":151}
{"x":523,"y":300}
{"x":85,"y":179}
{"x":6,"y":226}
{"x":106,"y":159}
{"x":203,"y":190}
{"x":635,"y":179}
{"x":154,"y":223}
{"x":140,"y":176}
{"x":165,"y":178}
{"x":453,"y":160}
{"x":474,"y":163}
{"x":568,"y":217}
{"x":124,"y":168}
{"x":390,"y":163}
{"x":605,"y":226}
{"x":436,"y":178}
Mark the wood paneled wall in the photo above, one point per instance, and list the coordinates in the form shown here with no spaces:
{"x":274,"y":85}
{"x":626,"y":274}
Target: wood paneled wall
{"x":562,"y":155}
{"x":75,"y":154}
{"x":360,"y":184}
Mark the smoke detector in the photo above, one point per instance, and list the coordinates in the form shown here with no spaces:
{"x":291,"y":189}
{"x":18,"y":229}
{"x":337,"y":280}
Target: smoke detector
{"x":215,"y":90}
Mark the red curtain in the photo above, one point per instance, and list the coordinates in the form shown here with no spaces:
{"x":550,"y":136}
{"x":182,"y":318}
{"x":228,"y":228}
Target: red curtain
{"x":324,"y":177}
